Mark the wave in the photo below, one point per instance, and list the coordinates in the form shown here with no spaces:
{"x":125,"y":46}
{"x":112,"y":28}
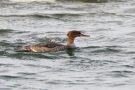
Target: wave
{"x":54,"y":15}
{"x":32,"y":0}
{"x":53,"y":1}
{"x":5,"y":31}
{"x":92,"y":1}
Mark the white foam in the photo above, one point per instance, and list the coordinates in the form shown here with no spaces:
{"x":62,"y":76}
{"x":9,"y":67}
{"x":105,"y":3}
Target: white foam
{"x":32,"y":0}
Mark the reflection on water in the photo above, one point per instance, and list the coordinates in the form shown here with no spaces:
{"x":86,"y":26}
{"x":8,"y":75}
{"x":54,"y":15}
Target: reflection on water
{"x":70,"y":51}
{"x":103,"y":61}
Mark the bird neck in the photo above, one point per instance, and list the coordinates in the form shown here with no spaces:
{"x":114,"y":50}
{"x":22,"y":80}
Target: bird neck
{"x":70,"y":42}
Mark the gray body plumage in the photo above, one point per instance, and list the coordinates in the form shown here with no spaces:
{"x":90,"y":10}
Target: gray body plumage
{"x":50,"y":47}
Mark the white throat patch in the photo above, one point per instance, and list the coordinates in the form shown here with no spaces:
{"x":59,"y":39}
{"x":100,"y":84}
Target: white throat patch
{"x":73,"y":45}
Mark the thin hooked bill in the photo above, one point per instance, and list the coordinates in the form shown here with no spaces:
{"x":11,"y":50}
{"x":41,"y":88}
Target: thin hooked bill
{"x":84,"y":35}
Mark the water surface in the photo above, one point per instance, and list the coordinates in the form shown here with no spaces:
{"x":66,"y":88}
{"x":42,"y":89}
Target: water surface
{"x":106,"y":60}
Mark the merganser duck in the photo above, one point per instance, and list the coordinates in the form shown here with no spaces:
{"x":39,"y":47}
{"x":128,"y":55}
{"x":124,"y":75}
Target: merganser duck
{"x":53,"y":47}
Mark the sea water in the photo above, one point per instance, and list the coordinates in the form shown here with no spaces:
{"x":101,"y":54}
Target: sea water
{"x":104,"y":61}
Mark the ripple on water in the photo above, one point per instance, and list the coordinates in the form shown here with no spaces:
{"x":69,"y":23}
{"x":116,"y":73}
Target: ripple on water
{"x":9,"y":77}
{"x":4,"y":31}
{"x":87,"y":1}
{"x":98,"y":65}
{"x":106,"y":50}
{"x":128,"y":66}
{"x":120,"y":74}
{"x":31,"y":56}
{"x":84,"y":63}
{"x":15,"y":77}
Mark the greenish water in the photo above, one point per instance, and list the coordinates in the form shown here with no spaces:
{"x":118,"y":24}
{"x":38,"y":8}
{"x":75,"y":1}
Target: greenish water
{"x":106,"y":60}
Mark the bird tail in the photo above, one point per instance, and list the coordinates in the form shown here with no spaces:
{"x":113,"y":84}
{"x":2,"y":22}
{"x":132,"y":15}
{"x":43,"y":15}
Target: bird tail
{"x":22,"y":49}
